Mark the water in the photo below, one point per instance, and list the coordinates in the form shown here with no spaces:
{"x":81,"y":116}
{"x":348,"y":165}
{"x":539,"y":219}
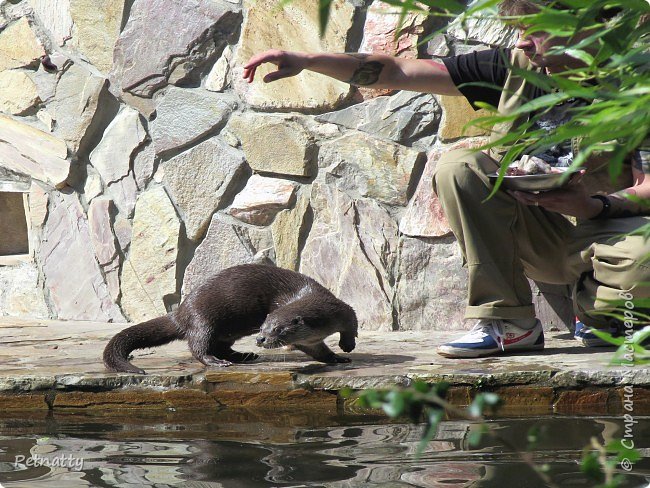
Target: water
{"x":234,"y":449}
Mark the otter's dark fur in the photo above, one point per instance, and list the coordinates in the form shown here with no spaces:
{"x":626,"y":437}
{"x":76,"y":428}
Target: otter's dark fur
{"x":289,"y":307}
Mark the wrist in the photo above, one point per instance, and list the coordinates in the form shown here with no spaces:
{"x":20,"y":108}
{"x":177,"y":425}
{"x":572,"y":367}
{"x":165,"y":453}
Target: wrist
{"x":604,"y":204}
{"x":308,"y":59}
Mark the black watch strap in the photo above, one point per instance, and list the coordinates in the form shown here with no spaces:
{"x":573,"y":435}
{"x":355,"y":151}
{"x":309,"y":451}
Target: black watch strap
{"x":607,"y":205}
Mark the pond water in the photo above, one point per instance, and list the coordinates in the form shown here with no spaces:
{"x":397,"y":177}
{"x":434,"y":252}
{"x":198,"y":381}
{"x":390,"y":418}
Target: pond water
{"x":248,"y":449}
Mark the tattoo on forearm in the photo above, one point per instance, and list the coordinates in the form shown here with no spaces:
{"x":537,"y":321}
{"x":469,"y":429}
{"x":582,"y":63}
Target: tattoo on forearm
{"x":368,"y":71}
{"x":624,"y":207}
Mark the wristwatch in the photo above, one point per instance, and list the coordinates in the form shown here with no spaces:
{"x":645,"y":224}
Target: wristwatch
{"x":607,"y":205}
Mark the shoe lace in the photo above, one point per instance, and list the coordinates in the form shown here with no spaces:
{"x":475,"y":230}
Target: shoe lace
{"x":493,"y":328}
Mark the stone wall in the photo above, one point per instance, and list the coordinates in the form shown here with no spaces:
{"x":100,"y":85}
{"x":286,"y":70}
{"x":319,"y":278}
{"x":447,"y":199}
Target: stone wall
{"x":146,"y":162}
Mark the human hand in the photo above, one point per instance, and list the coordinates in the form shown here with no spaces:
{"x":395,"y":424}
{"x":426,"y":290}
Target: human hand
{"x":288,"y":63}
{"x":571,"y":200}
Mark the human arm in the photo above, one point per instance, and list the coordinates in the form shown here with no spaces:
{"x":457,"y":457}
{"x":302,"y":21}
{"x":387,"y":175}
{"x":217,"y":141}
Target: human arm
{"x":576,"y":201}
{"x":621,"y":206}
{"x":373,"y":70}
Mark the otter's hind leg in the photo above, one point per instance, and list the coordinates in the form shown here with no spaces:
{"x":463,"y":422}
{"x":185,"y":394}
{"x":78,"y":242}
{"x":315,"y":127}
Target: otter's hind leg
{"x":320,"y":352}
{"x":201,"y":340}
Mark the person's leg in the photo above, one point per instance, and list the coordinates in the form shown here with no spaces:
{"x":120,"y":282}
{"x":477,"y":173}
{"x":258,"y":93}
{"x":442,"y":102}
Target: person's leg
{"x":612,"y":271}
{"x":501,"y":240}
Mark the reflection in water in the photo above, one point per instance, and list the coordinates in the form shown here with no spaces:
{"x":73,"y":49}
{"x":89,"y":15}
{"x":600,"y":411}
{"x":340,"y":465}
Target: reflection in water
{"x":228,"y":453}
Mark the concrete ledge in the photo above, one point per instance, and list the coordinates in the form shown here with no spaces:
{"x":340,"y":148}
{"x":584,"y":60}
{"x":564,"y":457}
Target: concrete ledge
{"x":57,"y":365}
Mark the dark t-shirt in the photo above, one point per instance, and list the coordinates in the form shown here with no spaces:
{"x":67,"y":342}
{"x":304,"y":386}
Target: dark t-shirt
{"x":487,"y":66}
{"x":491,"y":67}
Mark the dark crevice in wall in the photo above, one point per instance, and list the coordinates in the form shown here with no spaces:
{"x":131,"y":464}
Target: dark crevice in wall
{"x":304,"y":231}
{"x":356,"y":31}
{"x":126,"y":13}
{"x":202,"y":55}
{"x":221,"y":41}
{"x":186,"y":250}
{"x":107,"y":108}
{"x":78,"y":174}
{"x":416,"y":174}
{"x":240,"y":178}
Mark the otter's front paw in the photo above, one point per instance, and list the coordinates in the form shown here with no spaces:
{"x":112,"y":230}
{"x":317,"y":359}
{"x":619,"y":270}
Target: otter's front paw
{"x":215,"y":361}
{"x":347,"y":345}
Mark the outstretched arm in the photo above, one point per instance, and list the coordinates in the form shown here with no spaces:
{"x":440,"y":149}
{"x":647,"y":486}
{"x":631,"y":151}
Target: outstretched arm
{"x":374,"y":70}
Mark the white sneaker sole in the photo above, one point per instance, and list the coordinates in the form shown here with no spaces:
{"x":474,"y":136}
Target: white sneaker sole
{"x":459,"y":352}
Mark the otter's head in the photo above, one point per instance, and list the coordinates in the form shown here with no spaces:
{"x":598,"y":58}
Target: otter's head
{"x":283,"y":329}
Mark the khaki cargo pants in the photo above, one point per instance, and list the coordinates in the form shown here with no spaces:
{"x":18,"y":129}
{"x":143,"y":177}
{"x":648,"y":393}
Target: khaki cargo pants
{"x":503,"y":242}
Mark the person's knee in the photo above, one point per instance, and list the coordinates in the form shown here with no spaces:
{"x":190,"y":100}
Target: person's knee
{"x":623,"y":265}
{"x":452,"y":166}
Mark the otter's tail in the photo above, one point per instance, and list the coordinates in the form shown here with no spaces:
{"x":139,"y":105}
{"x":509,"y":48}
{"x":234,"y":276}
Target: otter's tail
{"x":152,"y":333}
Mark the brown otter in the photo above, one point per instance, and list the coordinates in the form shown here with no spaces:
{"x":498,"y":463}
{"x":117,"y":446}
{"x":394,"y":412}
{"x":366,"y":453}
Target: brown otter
{"x":291,"y":309}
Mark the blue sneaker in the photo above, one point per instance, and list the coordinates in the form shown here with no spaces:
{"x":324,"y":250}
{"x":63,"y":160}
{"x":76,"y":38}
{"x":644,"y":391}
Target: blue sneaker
{"x":587,"y":338}
{"x":490,"y":337}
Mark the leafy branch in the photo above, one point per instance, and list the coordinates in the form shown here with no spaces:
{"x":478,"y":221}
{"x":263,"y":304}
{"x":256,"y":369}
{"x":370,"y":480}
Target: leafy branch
{"x":424,"y":401}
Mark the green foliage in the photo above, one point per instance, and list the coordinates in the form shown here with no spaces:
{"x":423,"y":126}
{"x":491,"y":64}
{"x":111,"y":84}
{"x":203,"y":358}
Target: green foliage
{"x":634,"y":337}
{"x":631,"y":350}
{"x":599,"y":463}
{"x":423,"y":402}
{"x":615,"y":78}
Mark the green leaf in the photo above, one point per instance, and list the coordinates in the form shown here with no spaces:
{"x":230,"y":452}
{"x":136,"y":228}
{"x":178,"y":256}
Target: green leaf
{"x":440,"y":388}
{"x":545,"y":101}
{"x":346,"y":392}
{"x":394,"y":406}
{"x":590,"y":466}
{"x":433,"y":421}
{"x":491,"y":399}
{"x":421,"y":386}
{"x":617,"y":447}
{"x":533,"y":436}
{"x":475,"y":435}
{"x":324,"y":7}
{"x":476,"y":407}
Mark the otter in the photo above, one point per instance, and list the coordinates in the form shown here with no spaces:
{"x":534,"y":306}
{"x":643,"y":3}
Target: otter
{"x":285,"y":307}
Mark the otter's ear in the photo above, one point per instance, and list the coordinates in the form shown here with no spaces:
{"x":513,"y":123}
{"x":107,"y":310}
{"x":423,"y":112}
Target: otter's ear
{"x":298,"y":320}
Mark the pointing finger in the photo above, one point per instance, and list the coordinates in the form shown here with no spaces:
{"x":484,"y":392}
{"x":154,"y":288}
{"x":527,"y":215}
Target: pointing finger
{"x":265,"y":57}
{"x":249,"y":74}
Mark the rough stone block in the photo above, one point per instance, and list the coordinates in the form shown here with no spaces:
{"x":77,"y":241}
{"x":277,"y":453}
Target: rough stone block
{"x":294,"y":28}
{"x":582,"y":401}
{"x":28,"y":401}
{"x":530,"y":397}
